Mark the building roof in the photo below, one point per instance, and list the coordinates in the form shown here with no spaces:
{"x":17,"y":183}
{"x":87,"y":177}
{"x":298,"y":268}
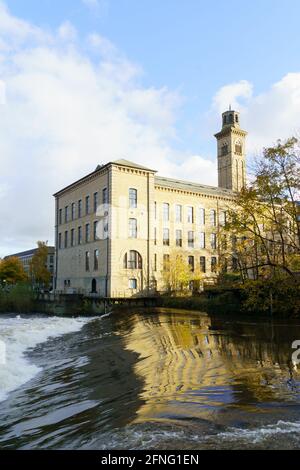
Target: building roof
{"x":23,"y":254}
{"x":192,"y":187}
{"x":121,"y":162}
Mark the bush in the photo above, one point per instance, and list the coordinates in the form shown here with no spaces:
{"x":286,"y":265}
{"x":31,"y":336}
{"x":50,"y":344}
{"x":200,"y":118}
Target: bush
{"x":17,"y":299}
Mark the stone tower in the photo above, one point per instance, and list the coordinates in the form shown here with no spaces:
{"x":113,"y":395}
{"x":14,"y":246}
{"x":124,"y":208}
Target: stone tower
{"x":231,"y":152}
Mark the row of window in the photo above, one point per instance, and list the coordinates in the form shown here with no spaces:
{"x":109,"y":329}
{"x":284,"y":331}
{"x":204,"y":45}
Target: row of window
{"x":191,"y":239}
{"x":75,"y":210}
{"x":190,"y":215}
{"x":95,"y":260}
{"x":72,"y":241}
{"x":191,"y":263}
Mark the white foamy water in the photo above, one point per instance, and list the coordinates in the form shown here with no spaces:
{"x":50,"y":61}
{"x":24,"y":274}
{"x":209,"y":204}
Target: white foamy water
{"x":21,"y":334}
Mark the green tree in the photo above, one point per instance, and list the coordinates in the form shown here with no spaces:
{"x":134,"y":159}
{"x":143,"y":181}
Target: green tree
{"x":38,"y":267}
{"x":12,"y":271}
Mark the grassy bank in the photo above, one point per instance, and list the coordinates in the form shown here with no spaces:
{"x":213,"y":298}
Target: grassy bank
{"x":17,"y":299}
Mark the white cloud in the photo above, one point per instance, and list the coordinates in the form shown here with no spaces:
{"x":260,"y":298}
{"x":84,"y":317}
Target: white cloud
{"x":63,"y":115}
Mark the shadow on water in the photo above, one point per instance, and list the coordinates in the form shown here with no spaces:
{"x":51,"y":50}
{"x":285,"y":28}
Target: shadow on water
{"x":163,"y":379}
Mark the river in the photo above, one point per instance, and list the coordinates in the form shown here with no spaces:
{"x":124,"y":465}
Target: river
{"x":165,"y":379}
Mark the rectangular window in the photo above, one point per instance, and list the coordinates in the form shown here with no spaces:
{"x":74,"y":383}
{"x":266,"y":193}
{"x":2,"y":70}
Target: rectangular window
{"x":79,"y":235}
{"x":72,"y":237}
{"x":87,"y":205}
{"x":223,"y":218}
{"x":191,"y":239}
{"x":213,"y":219}
{"x":191,"y":263}
{"x":166,"y":237}
{"x":87,"y":261}
{"x":155,"y":262}
{"x":190,"y":215}
{"x":95,"y":230}
{"x":73,"y":211}
{"x":155,"y":236}
{"x":201,"y":216}
{"x":87,"y":233}
{"x":202,"y":240}
{"x":178,"y":213}
{"x":96,"y":200}
{"x":166,"y":263}
{"x":178,"y":237}
{"x":132,"y":198}
{"x":155,"y":210}
{"x":203,"y":264}
{"x":132,"y":228}
{"x":213,"y":264}
{"x":66,"y":239}
{"x":59,"y":241}
{"x":132,"y":284}
{"x":96,"y":260}
{"x":213,"y":241}
{"x":166,"y":212}
{"x":105,"y":196}
{"x":79,"y":208}
{"x":60,"y":217}
{"x":66,"y":214}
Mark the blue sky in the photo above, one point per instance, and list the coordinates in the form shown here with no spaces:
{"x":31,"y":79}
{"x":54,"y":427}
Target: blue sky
{"x":86,"y":81}
{"x":193,"y":46}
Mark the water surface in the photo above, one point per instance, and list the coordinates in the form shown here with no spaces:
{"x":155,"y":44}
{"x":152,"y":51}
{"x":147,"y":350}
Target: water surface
{"x":163,"y":380}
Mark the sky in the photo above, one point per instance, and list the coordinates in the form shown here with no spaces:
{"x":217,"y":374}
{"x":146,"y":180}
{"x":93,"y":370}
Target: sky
{"x":83,"y":82}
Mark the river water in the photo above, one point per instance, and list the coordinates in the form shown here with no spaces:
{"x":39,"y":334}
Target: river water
{"x":164,"y":379}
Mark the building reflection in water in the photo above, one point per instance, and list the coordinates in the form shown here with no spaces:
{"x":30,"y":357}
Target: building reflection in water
{"x":195,"y":366}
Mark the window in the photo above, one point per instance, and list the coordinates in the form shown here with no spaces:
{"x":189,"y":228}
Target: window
{"x":166,"y":212}
{"x":59,"y":241}
{"x":66,"y":214}
{"x":132,"y":284}
{"x":73,"y":211}
{"x":178,"y":213}
{"x":79,"y":235}
{"x":223,"y":218}
{"x":166,"y":263}
{"x":87,"y":261}
{"x":87,"y":233}
{"x":96,"y":260}
{"x":72,"y":237}
{"x":132,"y":228}
{"x":213,"y":241}
{"x":155,"y":210}
{"x":201,"y":216}
{"x":213,"y":218}
{"x":213,"y":264}
{"x":166,"y":237}
{"x":155,"y":236}
{"x":155,"y":262}
{"x":178,"y":237}
{"x":238,"y":147}
{"x":133,"y":260}
{"x":191,"y":239}
{"x":203,"y":264}
{"x":96,"y":200}
{"x":95,"y":230}
{"x":79,"y":208}
{"x":202,"y":240}
{"x":191,"y":263}
{"x":224,"y":150}
{"x":60,"y":217}
{"x":190,"y":215}
{"x":105,"y":196}
{"x":224,"y":120}
{"x":87,"y":205}
{"x":132,"y":198}
{"x":66,"y":239}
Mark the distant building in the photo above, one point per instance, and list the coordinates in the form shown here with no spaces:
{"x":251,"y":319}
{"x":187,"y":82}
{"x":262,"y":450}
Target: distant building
{"x":117,"y":226}
{"x":26,"y":256}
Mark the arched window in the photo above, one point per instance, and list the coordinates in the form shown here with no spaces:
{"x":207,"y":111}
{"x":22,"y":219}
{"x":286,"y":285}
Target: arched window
{"x":133,"y":260}
{"x":224,"y":150}
{"x":238,"y":147}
